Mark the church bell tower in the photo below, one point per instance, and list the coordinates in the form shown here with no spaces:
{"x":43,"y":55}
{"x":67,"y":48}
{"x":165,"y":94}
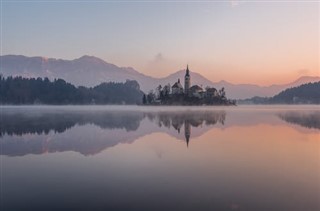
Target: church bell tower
{"x":187,"y":81}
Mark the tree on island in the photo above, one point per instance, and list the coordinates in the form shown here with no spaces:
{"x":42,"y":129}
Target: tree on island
{"x":164,"y":96}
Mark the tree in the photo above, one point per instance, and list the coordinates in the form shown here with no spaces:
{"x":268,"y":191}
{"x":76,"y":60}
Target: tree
{"x":133,"y":84}
{"x":166,"y":90}
{"x":144,"y":99}
{"x":151,"y":96}
{"x":158,"y":91}
{"x":222,"y":93}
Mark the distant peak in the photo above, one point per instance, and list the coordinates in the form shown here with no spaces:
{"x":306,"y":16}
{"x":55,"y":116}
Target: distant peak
{"x":130,"y":70}
{"x":307,"y":77}
{"x":223,"y":82}
{"x":91,"y":59}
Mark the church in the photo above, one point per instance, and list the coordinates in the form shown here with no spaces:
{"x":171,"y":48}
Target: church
{"x":188,"y":90}
{"x":187,"y":95}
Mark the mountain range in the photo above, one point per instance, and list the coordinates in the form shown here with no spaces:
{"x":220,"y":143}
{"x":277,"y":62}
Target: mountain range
{"x":90,"y":71}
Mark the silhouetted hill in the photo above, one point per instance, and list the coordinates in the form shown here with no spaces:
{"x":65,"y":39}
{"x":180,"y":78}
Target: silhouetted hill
{"x":304,"y":94}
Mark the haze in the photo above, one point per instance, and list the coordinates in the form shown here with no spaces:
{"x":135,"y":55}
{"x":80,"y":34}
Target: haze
{"x":242,"y":42}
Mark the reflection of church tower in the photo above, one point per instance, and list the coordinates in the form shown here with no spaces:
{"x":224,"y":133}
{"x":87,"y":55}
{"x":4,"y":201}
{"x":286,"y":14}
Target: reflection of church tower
{"x":187,"y":81}
{"x":187,"y":131}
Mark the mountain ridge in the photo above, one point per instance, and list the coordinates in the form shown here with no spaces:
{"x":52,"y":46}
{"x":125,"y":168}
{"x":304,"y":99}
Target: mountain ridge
{"x":90,"y":71}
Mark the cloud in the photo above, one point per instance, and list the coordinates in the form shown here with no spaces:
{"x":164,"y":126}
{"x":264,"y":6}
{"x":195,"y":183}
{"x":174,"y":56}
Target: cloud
{"x":160,"y":65}
{"x":158,"y":58}
{"x":303,"y":72}
{"x":157,"y":64}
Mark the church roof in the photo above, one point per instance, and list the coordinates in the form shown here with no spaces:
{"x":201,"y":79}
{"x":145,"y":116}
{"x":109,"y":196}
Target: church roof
{"x":177,"y":85}
{"x":211,"y":89}
{"x":196,"y":88}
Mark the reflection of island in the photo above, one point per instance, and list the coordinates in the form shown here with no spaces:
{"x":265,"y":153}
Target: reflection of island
{"x":43,"y":132}
{"x":308,"y":120}
{"x":189,"y":119}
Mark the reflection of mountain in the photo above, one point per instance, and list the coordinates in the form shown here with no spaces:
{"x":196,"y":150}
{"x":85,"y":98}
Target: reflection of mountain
{"x":309,"y":120}
{"x":37,"y":132}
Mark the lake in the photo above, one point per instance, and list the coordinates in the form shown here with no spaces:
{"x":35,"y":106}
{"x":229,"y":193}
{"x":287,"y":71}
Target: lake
{"x":160,"y":158}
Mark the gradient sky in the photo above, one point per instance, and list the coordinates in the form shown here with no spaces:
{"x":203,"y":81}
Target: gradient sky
{"x":259,"y":42}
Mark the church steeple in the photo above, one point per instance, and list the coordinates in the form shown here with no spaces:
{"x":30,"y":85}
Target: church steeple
{"x":187,"y":71}
{"x":187,"y":81}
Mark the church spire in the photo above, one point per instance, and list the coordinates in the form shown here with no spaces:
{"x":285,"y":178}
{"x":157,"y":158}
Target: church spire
{"x":187,"y":71}
{"x":187,"y":81}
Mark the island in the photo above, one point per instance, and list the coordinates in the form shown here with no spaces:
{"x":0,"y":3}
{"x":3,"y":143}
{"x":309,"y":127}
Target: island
{"x":187,"y":95}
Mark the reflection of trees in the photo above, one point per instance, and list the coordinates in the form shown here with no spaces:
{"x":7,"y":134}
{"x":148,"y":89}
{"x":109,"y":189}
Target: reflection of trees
{"x":308,"y":120}
{"x":43,"y":123}
{"x":59,"y":122}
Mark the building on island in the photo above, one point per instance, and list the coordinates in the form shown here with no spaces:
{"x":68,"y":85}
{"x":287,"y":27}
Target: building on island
{"x":177,"y":88}
{"x":196,"y":91}
{"x":187,"y":94}
{"x":211,"y":92}
{"x":188,"y":90}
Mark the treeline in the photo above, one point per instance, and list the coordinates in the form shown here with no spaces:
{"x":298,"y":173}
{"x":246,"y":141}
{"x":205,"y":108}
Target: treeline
{"x":306,"y":93}
{"x":303,"y":94}
{"x":19,"y":90}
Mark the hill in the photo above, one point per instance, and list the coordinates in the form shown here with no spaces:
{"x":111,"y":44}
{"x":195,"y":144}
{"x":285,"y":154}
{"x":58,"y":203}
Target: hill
{"x":304,"y":94}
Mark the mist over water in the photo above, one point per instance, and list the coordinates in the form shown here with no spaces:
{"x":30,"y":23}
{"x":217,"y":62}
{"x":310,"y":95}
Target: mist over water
{"x":157,"y":158}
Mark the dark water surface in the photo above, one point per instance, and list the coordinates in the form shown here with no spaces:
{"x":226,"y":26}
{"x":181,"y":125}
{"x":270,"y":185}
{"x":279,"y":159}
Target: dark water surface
{"x":158,"y":158}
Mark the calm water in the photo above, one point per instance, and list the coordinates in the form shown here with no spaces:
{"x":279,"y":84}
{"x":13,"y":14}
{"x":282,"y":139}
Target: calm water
{"x":156,"y":158}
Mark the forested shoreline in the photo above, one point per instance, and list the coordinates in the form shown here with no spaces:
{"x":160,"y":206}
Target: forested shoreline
{"x":304,"y":94}
{"x":19,"y":91}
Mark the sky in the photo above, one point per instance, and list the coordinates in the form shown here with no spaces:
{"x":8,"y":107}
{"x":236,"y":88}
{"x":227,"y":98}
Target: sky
{"x":257,"y":42}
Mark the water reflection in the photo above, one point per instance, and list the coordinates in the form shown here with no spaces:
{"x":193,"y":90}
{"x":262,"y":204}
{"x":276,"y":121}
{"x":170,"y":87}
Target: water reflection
{"x":43,"y":122}
{"x":187,"y":120}
{"x":305,"y":119}
{"x":38,"y":132}
{"x":242,"y":158}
